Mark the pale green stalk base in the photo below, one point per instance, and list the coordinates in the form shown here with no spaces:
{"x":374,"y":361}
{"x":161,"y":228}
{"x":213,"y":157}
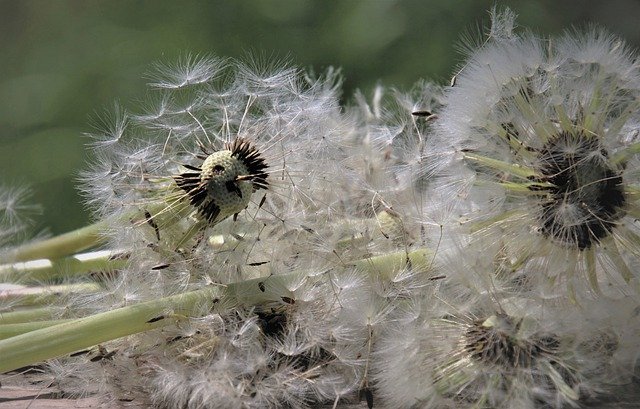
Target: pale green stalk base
{"x":46,"y":343}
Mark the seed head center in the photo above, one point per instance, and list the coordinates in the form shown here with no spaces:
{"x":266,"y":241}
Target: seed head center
{"x":223,"y":185}
{"x":586,"y":197}
{"x":495,"y":341}
{"x":220,"y":173}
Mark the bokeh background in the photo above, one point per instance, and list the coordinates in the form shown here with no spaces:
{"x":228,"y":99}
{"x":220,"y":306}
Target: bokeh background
{"x":63,"y":63}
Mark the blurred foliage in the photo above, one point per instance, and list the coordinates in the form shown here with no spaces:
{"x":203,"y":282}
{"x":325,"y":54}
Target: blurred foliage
{"x":65,"y":62}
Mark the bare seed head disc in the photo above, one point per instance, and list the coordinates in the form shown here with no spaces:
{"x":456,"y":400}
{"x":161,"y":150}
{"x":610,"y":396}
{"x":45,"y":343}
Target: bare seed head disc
{"x":223,"y":185}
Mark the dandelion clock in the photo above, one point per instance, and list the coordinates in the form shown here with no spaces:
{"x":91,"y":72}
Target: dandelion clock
{"x":547,"y":133}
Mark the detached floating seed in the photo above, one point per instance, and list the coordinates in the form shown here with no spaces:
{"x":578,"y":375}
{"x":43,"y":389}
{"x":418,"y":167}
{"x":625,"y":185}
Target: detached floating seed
{"x":223,"y":185}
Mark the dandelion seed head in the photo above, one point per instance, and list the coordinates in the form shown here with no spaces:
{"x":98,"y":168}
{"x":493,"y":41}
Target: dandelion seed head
{"x":466,"y":347}
{"x":494,"y":341}
{"x":219,"y":139}
{"x":545,"y":125}
{"x":261,"y":357}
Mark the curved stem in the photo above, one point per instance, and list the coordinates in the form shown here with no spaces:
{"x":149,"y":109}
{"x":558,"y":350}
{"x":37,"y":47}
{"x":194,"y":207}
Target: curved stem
{"x":12,"y":330}
{"x":26,"y":315}
{"x":59,"y":246}
{"x":44,"y":269}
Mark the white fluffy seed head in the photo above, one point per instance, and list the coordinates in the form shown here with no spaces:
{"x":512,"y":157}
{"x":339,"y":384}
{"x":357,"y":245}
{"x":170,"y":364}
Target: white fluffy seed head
{"x":545,"y":127}
{"x":160,"y":169}
{"x":461,"y":348}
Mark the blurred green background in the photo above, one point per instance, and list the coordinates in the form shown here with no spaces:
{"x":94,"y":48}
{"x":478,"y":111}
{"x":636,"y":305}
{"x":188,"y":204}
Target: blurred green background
{"x":64,"y":62}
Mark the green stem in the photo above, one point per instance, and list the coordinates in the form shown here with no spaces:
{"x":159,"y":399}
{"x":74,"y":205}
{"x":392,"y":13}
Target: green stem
{"x":500,"y":218}
{"x":12,"y":330}
{"x":46,"y":270}
{"x":46,"y":294}
{"x":26,"y":315}
{"x":512,"y":168}
{"x":625,"y":154}
{"x":59,"y":246}
{"x":525,"y":187}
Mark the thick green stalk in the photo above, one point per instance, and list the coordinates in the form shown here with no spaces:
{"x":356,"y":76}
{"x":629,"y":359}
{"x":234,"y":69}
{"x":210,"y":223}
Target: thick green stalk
{"x":387,"y":266}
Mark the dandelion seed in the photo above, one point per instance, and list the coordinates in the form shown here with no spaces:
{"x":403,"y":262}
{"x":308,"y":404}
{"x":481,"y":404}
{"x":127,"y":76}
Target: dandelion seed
{"x":15,"y":214}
